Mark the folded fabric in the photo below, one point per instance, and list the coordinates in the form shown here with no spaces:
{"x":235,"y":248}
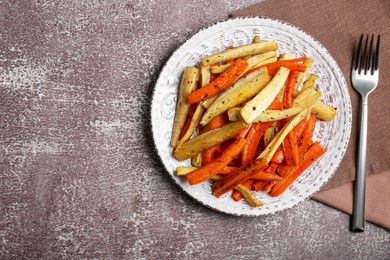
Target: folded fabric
{"x":338,"y":26}
{"x":377,"y":198}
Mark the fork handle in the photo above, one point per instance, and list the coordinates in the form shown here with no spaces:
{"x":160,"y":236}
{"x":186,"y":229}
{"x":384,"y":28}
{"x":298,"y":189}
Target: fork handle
{"x":360,"y":182}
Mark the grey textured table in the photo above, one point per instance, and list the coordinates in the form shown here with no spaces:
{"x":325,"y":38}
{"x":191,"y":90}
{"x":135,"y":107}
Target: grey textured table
{"x":79,"y":177}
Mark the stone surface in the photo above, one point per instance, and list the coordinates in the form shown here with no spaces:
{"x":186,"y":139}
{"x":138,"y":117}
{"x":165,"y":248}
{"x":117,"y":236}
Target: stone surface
{"x":79,"y":177}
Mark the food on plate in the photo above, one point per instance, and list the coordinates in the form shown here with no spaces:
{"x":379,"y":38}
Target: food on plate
{"x":188,"y":84}
{"x":256,"y":106}
{"x":238,"y":52}
{"x":246,"y":119}
{"x":208,"y":140}
{"x":244,"y":89}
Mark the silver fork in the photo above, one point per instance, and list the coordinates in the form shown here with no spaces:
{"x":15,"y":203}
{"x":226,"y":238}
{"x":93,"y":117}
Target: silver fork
{"x":365,"y":72}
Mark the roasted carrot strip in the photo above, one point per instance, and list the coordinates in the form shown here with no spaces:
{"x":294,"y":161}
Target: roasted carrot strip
{"x":226,"y":144}
{"x":243,"y":133}
{"x":228,"y":170}
{"x":278,"y":156}
{"x":230,"y":61}
{"x":290,"y":150}
{"x":255,"y":133}
{"x":259,"y":185}
{"x":284,"y":169}
{"x":188,"y":120}
{"x":290,"y":61}
{"x":222,"y":82}
{"x":314,"y":152}
{"x":275,"y":105}
{"x":272,"y":167}
{"x":289,"y":89}
{"x":307,"y":135}
{"x":205,"y":172}
{"x":268,"y":174}
{"x":213,"y":77}
{"x":235,"y":163}
{"x":290,"y":64}
{"x":228,"y":182}
{"x":269,"y":185}
{"x":272,"y":68}
{"x":209,"y":155}
{"x":286,"y":62}
{"x":298,"y":129}
{"x":236,"y":195}
{"x":216,"y":122}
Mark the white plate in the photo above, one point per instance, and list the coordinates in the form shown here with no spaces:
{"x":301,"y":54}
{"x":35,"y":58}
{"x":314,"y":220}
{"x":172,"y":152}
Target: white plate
{"x":334,"y":135}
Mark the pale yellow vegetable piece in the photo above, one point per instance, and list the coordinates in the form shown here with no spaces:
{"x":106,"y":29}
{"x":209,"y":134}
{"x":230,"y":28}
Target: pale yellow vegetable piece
{"x":309,"y":62}
{"x":265,"y":97}
{"x":280,"y":95}
{"x":271,"y":148}
{"x":323,"y":112}
{"x":184,"y":170}
{"x":269,"y":134}
{"x":304,"y":96}
{"x":306,"y":99}
{"x":286,"y":56}
{"x":265,"y":62}
{"x":243,"y":89}
{"x":307,"y":102}
{"x":208,"y":102}
{"x":193,"y":123}
{"x":241,"y":51}
{"x":259,"y":59}
{"x":188,"y":84}
{"x":256,"y":39}
{"x":218,"y":69}
{"x":208,"y":139}
{"x":234,"y":114}
{"x":247,"y":193}
{"x":215,"y":177}
{"x":309,"y":82}
{"x":319,"y":109}
{"x":221,"y":68}
{"x":205,"y":75}
{"x":197,"y":160}
{"x":255,"y":61}
{"x":249,"y":196}
{"x":205,"y":79}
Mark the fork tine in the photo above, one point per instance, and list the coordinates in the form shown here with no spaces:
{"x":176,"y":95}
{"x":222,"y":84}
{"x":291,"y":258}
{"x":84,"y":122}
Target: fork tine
{"x":368,"y":58}
{"x":363,"y":57}
{"x":357,"y":54}
{"x":376,"y":58}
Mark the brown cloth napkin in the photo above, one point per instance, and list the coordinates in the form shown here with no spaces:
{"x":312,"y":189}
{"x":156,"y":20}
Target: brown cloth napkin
{"x":377,"y":198}
{"x":338,"y":26}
